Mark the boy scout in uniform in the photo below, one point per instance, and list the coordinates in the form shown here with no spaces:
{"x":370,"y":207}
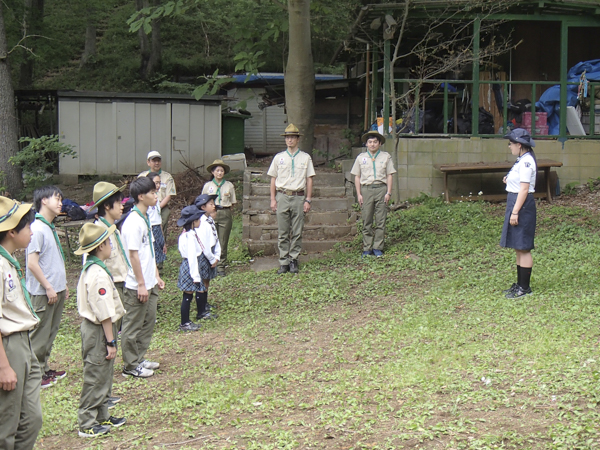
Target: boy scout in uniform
{"x":100,"y":306}
{"x":291,"y":175}
{"x":167,"y":186}
{"x":372,"y":172}
{"x":20,"y":372}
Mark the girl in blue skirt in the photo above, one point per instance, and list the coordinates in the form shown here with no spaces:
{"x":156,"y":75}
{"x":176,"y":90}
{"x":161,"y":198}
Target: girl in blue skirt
{"x":518,"y":231}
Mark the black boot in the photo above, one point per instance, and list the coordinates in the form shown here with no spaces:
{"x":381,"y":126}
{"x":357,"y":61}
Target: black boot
{"x":283,"y":269}
{"x":294,"y":266}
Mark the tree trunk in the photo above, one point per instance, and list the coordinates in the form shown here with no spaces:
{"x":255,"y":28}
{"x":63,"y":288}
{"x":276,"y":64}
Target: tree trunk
{"x":32,"y":25}
{"x":90,"y":39}
{"x":9,"y":133}
{"x":150,"y":49}
{"x":300,"y":74}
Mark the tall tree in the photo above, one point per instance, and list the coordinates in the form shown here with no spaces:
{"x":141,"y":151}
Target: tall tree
{"x":300,"y":73}
{"x":33,"y":19}
{"x":150,"y":47}
{"x":8,"y":121}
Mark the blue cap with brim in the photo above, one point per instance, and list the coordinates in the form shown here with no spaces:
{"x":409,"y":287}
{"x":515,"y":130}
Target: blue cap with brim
{"x":203,"y":200}
{"x":189,"y":214}
{"x":521,"y":136}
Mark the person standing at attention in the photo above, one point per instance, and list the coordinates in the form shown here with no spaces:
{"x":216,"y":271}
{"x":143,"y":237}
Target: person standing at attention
{"x":518,"y":231}
{"x":373,"y":180}
{"x":291,"y":173}
{"x":224,"y":200}
{"x":167,"y":187}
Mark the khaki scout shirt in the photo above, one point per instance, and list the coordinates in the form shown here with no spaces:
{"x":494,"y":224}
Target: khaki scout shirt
{"x":363,"y":166}
{"x":281,"y":170}
{"x":167,"y":184}
{"x":227,"y":193}
{"x":97,"y":296}
{"x":15,"y":313}
{"x":116,"y":262}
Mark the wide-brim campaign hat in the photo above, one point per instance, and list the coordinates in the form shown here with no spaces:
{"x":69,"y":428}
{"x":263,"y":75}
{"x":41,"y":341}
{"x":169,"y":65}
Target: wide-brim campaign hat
{"x":203,"y":200}
{"x":218,"y":162}
{"x":103,"y":191}
{"x":189,"y":214}
{"x":11,"y":213}
{"x":373,"y":134}
{"x":521,"y":136}
{"x":291,"y":130}
{"x":91,"y":236}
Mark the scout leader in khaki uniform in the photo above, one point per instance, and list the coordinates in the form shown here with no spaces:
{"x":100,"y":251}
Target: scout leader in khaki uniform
{"x":225,"y":199}
{"x":291,"y":175}
{"x":372,"y":172}
{"x":100,"y":306}
{"x":20,"y":372}
{"x":167,"y":186}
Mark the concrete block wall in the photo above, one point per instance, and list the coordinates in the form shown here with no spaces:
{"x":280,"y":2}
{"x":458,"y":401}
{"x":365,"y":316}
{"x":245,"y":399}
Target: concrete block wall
{"x":415,"y":160}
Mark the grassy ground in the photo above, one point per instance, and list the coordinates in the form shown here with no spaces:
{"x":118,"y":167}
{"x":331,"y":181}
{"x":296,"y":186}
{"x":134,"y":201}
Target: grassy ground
{"x":415,"y":350}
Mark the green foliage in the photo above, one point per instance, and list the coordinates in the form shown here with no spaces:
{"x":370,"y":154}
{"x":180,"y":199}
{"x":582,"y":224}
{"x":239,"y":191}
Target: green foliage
{"x":39,"y":158}
{"x":570,"y":188}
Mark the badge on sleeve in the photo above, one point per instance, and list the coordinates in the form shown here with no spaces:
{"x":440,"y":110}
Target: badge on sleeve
{"x":101,"y":291}
{"x":527,"y":164}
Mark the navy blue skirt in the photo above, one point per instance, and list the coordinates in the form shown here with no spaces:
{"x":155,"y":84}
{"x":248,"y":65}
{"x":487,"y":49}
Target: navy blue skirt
{"x":159,"y":244}
{"x":185,"y":281}
{"x":519,"y":237}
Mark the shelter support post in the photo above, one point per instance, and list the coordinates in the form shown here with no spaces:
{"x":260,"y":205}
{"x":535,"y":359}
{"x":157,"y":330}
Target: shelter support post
{"x":475,"y":96}
{"x":564,"y":53}
{"x":386,"y":86}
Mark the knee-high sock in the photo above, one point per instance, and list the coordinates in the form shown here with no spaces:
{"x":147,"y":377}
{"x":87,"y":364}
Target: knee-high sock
{"x":525,"y":277}
{"x":186,"y":303}
{"x":519,"y":275}
{"x":201,"y":301}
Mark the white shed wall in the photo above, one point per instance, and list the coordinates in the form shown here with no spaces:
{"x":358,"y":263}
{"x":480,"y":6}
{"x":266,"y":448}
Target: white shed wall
{"x":115,"y":137}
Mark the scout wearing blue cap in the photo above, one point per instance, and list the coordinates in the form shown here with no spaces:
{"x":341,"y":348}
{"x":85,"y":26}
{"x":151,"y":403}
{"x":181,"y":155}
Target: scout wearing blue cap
{"x":520,"y":136}
{"x":189,"y":214}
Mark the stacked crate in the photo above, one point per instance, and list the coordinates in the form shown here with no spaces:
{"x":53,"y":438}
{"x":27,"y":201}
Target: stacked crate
{"x":541,"y":125}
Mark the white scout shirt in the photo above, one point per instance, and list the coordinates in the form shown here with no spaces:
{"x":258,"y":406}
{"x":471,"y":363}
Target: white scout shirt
{"x":135,"y":237}
{"x":523,"y":171}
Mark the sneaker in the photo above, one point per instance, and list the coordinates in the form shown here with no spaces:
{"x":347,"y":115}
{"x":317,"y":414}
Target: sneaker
{"x":519,"y":292}
{"x":111,"y":405}
{"x":510,"y":289}
{"x":97,"y":430}
{"x":114,"y":422}
{"x":114,"y":399}
{"x":283,"y":269}
{"x":150,"y":365}
{"x":138,"y":372}
{"x":294,"y":266}
{"x":47,"y":381}
{"x":221,"y":273}
{"x":378,"y":253}
{"x":207,"y":315}
{"x":56,"y":374}
{"x":367,"y":253}
{"x":189,"y":326}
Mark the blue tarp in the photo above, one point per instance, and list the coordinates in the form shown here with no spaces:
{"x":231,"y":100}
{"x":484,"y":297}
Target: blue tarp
{"x":550,"y":100}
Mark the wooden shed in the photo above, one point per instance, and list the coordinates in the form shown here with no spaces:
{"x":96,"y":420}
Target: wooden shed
{"x":112,"y":132}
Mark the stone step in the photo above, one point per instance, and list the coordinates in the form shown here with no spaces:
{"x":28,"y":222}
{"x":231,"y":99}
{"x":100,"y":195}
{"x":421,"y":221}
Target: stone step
{"x":311,"y":232}
{"x":318,"y":204}
{"x":343,"y":218}
{"x":259,"y":175}
{"x":261,"y":189}
{"x":267,"y":248}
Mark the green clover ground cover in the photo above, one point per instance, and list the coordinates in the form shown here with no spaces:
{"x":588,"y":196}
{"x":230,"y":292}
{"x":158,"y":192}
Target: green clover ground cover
{"x":416,"y":350}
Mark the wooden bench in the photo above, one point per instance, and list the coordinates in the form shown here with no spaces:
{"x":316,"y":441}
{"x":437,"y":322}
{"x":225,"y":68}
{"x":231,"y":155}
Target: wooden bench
{"x":482,"y":167}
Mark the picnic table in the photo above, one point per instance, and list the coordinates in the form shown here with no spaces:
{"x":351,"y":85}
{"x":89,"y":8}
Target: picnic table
{"x":63,"y":224}
{"x":483,"y":167}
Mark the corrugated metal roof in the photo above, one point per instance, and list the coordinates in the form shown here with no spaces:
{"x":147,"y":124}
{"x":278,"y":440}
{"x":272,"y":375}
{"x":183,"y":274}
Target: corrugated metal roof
{"x":137,"y":97}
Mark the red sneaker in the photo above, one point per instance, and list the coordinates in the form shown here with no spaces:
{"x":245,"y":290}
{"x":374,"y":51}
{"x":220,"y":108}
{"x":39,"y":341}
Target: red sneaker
{"x":47,"y":381}
{"x":57,"y":374}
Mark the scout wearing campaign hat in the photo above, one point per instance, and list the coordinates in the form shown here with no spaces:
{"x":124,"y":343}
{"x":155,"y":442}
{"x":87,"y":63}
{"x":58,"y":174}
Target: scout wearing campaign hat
{"x":91,"y":236}
{"x":218,"y":162}
{"x":104,"y":190}
{"x":11,"y":213}
{"x":291,"y":130}
{"x":373,"y":134}
{"x":520,"y":136}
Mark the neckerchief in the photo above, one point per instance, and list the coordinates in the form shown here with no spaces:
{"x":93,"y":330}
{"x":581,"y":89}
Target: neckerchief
{"x":116,"y":233}
{"x":42,"y":219}
{"x":222,"y":183}
{"x":292,"y":156}
{"x":91,"y":259}
{"x":159,"y":171}
{"x":373,"y":158}
{"x":145,"y":217}
{"x":13,"y":262}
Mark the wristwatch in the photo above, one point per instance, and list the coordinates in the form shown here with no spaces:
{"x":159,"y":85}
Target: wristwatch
{"x":388,"y":193}
{"x":307,"y":201}
{"x":112,"y":343}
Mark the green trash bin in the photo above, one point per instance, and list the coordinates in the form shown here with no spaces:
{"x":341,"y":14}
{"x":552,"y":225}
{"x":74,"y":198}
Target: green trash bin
{"x":232,"y":133}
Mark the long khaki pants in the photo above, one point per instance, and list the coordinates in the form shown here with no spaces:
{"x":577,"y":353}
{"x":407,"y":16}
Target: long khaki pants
{"x":290,"y":223}
{"x":223,"y":223}
{"x":97,"y":375}
{"x":374,"y":213}
{"x":137,"y":326}
{"x":164,"y":217}
{"x":42,"y":338}
{"x":21,"y":409}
